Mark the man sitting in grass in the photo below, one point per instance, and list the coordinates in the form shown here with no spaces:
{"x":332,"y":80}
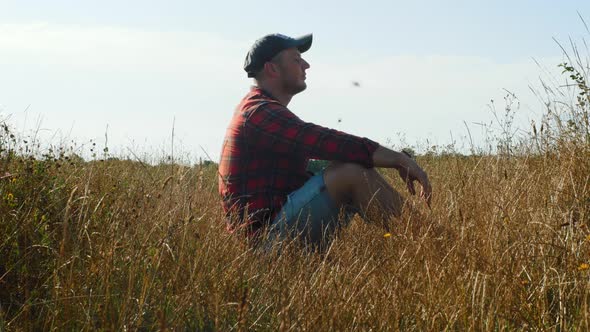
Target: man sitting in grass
{"x":263,"y":182}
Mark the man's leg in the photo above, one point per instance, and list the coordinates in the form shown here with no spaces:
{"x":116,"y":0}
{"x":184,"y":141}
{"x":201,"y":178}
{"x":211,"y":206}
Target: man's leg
{"x":309,"y":214}
{"x":366,"y":189}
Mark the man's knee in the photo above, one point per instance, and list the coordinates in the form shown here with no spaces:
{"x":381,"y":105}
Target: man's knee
{"x":345,"y":172}
{"x":341,"y":179}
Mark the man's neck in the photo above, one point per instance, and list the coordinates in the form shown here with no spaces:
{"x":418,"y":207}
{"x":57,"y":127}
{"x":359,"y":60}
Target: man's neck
{"x":279,"y":95}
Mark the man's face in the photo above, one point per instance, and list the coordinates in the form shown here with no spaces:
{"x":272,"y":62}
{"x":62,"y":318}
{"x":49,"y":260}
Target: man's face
{"x":292,"y":70}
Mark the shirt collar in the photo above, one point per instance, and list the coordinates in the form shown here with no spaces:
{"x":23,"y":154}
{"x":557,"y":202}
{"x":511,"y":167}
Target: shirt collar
{"x":263,"y":92}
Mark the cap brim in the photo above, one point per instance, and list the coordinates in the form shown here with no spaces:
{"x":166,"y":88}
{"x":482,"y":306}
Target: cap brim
{"x":303,"y":43}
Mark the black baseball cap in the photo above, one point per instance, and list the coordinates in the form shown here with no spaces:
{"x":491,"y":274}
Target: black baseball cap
{"x":265,"y":48}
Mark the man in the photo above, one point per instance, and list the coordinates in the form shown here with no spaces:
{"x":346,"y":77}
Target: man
{"x":262,"y":173}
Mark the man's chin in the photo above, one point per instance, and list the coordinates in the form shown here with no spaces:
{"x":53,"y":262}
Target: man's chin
{"x":302,"y":86}
{"x":299,"y":88}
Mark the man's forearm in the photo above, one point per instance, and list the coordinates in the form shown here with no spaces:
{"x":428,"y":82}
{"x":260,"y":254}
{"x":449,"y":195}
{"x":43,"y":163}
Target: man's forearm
{"x":384,"y":157}
{"x":408,"y":170}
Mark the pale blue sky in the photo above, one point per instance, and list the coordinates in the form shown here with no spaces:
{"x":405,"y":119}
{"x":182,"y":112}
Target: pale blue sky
{"x":424,"y":67}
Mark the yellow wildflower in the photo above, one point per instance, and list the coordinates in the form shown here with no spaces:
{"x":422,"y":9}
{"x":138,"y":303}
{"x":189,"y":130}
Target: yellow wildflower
{"x":588,"y":237}
{"x":583,"y":267}
{"x":9,"y":197}
{"x":386,"y":235}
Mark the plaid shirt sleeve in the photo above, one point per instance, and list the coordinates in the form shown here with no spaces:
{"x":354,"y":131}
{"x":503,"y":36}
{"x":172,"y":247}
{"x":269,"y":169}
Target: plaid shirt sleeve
{"x":272,"y":126}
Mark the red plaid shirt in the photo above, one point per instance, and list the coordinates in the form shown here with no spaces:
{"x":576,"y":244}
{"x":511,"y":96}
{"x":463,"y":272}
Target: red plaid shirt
{"x":265,"y":154}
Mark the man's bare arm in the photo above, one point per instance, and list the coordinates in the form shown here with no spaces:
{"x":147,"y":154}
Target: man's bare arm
{"x":384,"y":157}
{"x":408,"y":170}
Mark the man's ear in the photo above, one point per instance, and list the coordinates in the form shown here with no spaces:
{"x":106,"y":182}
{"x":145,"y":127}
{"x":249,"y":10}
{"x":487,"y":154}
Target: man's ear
{"x":270,"y":69}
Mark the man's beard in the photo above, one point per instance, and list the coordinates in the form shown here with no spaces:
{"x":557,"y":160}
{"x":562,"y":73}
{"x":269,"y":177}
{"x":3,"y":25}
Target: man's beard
{"x":294,"y":88}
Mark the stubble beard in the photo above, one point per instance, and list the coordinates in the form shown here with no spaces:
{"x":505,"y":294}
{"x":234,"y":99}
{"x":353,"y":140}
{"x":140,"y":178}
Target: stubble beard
{"x":294,"y":88}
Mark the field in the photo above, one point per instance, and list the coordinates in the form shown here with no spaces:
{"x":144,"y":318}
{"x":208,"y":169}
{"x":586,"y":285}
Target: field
{"x":120,"y":244}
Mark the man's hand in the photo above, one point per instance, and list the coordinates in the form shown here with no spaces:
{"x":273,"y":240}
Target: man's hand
{"x":412,"y":172}
{"x":408,"y":170}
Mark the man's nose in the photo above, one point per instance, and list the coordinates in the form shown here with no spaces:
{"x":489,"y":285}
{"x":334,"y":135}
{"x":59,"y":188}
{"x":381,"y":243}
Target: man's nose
{"x":305,"y":64}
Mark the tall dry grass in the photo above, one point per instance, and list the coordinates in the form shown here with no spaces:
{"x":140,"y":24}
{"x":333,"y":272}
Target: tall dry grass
{"x":122,"y":245}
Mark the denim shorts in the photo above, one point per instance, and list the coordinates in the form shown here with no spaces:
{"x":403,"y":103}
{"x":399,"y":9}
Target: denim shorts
{"x":310,"y":214}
